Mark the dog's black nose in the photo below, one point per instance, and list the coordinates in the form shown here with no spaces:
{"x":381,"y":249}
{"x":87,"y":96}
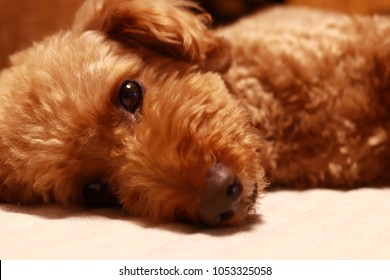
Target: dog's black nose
{"x":221,"y":197}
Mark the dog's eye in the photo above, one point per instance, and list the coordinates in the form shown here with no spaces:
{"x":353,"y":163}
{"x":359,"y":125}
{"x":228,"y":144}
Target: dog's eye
{"x":130,"y":96}
{"x":98,"y":194}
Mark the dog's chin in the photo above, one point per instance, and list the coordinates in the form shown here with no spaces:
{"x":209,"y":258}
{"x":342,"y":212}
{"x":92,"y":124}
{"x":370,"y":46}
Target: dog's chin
{"x":243,"y":217}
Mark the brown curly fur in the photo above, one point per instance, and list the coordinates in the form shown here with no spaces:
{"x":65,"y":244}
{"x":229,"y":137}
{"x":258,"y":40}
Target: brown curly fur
{"x":318,"y":87}
{"x":317,"y":95}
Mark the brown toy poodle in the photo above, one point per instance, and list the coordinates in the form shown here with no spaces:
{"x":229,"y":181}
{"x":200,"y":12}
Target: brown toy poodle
{"x":142,"y":104}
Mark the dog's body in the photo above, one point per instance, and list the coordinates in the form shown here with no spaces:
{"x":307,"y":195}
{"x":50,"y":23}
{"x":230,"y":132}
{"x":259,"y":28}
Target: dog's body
{"x":318,"y":86}
{"x":138,"y":102}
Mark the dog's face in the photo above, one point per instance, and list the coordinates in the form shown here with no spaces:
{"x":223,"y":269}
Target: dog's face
{"x":124,"y":107}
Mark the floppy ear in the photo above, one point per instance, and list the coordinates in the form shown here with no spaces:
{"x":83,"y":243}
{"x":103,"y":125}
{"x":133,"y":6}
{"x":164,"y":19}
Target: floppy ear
{"x":176,"y":28}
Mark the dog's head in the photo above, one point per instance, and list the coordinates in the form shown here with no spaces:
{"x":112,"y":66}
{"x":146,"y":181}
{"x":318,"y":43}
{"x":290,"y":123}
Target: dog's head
{"x":129,"y":105}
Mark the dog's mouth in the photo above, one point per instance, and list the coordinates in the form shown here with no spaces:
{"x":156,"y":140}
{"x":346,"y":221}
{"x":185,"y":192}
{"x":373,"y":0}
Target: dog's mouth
{"x":228,"y":201}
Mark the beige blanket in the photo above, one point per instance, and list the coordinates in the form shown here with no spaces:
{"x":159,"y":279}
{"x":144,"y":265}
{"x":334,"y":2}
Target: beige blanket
{"x":313,"y":224}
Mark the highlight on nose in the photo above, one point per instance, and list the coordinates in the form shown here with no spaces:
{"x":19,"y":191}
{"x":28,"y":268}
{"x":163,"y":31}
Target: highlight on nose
{"x":221,"y":197}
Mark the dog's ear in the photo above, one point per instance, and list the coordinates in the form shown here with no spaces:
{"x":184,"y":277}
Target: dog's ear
{"x":177,"y":28}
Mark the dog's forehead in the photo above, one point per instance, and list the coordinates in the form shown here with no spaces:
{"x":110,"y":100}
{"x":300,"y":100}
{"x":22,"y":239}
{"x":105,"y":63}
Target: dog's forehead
{"x":90,"y":67}
{"x":93,"y":55}
{"x":90,"y":50}
{"x":72,"y":63}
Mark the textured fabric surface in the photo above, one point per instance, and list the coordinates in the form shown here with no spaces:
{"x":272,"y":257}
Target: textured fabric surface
{"x":313,"y":224}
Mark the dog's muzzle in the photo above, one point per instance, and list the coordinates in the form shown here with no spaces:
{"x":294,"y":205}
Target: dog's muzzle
{"x":222,"y":196}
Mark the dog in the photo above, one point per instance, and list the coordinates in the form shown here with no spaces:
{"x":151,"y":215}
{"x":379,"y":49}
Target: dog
{"x":142,"y":104}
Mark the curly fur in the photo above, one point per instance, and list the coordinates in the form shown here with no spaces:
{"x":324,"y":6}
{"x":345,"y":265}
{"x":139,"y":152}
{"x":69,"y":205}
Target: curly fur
{"x":318,"y":87}
{"x":318,"y":97}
